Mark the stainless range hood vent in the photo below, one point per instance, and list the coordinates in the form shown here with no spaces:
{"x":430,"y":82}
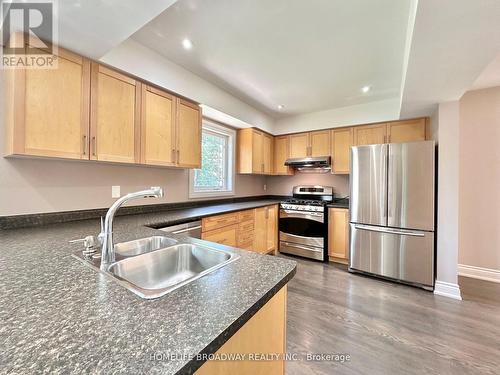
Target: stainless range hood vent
{"x":312,"y":164}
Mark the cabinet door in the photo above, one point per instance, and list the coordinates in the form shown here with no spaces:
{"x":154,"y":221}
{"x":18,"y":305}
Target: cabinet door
{"x":370,"y":134}
{"x":267,"y":153}
{"x":157,"y":127}
{"x":320,"y":143}
{"x":281,"y":146}
{"x":341,"y":150}
{"x":115,"y":116}
{"x":49,"y":109}
{"x":299,"y":145}
{"x":225,"y":236}
{"x":257,"y":152}
{"x":338,"y":234}
{"x":272,"y":228}
{"x":188,"y":134}
{"x":406,"y":131}
{"x":260,"y":230}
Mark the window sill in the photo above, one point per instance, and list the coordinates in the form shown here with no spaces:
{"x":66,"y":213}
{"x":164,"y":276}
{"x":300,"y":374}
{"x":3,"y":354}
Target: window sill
{"x":211,"y":194}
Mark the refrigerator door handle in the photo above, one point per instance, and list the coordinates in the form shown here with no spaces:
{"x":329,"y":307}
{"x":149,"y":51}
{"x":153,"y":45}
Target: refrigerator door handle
{"x":401,"y":232}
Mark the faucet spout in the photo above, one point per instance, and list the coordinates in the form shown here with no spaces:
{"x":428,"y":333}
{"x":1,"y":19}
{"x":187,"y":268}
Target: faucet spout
{"x":106,"y":235}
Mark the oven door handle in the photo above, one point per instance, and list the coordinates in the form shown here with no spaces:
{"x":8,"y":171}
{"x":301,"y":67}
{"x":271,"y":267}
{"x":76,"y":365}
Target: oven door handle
{"x":316,"y":216}
{"x":318,"y":250}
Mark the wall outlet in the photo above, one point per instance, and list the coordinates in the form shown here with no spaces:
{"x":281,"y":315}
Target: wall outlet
{"x":115,"y":192}
{"x":265,"y":187}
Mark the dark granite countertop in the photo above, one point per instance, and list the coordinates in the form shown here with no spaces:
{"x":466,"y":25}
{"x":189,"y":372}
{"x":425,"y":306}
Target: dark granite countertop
{"x":339,"y":203}
{"x":60,"y":316}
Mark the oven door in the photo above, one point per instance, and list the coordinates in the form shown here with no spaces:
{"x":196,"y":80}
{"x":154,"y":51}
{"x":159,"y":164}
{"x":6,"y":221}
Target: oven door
{"x":302,"y":233}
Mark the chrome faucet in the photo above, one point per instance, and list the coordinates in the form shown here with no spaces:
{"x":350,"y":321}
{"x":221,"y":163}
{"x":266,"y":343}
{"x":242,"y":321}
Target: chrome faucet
{"x":105,"y":238}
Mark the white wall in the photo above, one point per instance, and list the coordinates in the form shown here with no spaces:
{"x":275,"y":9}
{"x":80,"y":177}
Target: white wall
{"x":479,"y":210}
{"x":384,"y":110}
{"x":448,"y":201}
{"x":147,"y":64}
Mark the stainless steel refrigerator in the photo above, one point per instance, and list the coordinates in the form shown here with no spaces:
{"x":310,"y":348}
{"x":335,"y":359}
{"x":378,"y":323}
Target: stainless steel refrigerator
{"x":392,"y":211}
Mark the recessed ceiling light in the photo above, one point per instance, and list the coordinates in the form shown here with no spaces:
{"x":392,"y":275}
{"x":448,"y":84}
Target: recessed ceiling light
{"x":187,"y":44}
{"x":365,"y":89}
{"x":281,"y":106}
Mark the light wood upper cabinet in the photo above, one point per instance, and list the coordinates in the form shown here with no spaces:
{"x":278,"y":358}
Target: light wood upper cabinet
{"x":115,"y":116}
{"x":310,"y":144}
{"x":319,"y":143}
{"x":158,"y":127}
{"x":188,"y":134}
{"x":299,"y":145}
{"x":255,"y":152}
{"x":267,"y":153}
{"x":338,"y":234}
{"x":370,"y":134}
{"x":407,"y":131}
{"x":342,"y":140}
{"x":47,"y":110}
{"x":281,"y":149}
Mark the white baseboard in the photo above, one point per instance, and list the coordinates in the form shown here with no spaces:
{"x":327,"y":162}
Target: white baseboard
{"x":442,"y":288}
{"x":487,"y":274}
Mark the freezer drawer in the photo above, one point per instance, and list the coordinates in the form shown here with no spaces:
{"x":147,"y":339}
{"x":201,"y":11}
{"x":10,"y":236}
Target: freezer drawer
{"x":398,"y":254}
{"x":369,"y":184}
{"x":411,"y":185}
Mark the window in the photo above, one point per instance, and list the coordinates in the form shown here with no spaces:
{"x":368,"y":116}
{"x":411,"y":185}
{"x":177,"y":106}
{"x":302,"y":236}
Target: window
{"x":216,"y":176}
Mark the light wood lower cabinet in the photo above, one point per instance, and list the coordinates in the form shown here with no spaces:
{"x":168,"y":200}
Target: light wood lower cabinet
{"x":225,"y":236}
{"x":266,"y":229}
{"x":255,"y":230}
{"x":338,"y":235}
{"x":264,"y":333}
{"x":47,"y":110}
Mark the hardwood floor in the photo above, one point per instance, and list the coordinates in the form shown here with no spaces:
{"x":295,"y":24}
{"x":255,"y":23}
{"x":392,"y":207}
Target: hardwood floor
{"x":385,"y":327}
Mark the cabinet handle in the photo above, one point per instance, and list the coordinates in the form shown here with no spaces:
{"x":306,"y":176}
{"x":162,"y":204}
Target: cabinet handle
{"x":389,"y":138}
{"x":267,"y":213}
{"x":84,"y":145}
{"x":94,"y":147}
{"x":178,"y":157}
{"x":173,"y":155}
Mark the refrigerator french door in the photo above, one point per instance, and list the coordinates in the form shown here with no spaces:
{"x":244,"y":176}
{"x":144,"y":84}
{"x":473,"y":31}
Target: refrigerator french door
{"x":392,"y":211}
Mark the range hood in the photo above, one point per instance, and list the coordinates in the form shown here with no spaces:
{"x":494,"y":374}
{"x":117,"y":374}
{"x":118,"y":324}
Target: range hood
{"x":311,"y":164}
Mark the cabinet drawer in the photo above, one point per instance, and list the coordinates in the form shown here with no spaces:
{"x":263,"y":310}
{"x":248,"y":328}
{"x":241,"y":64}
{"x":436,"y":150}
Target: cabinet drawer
{"x":246,"y":226}
{"x":224,"y":236}
{"x":219,"y":221}
{"x":245,"y":216}
{"x":246,"y":246}
{"x":245,"y":237}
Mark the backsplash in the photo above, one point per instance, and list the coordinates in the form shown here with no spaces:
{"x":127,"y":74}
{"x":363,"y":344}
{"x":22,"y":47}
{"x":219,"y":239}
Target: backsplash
{"x":282,"y":185}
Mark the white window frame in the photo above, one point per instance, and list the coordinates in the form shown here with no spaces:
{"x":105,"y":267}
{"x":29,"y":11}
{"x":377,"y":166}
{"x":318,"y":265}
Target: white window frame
{"x":231,"y":163}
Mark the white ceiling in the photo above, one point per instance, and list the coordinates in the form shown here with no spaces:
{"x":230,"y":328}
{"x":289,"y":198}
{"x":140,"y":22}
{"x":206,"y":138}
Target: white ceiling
{"x":490,"y":77}
{"x":93,"y":27}
{"x":453,"y":41}
{"x":305,"y":55}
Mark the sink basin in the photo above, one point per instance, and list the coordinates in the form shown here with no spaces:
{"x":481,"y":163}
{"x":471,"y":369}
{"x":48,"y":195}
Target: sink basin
{"x":143,"y":245}
{"x":156,"y":273}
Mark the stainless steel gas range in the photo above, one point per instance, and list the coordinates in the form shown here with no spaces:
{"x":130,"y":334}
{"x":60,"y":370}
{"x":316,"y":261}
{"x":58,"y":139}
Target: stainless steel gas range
{"x":302,"y":222}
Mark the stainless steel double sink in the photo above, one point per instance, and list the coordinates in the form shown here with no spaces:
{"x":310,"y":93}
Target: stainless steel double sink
{"x":154,"y":266}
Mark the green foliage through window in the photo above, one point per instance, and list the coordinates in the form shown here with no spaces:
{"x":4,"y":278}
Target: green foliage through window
{"x":214,"y":163}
